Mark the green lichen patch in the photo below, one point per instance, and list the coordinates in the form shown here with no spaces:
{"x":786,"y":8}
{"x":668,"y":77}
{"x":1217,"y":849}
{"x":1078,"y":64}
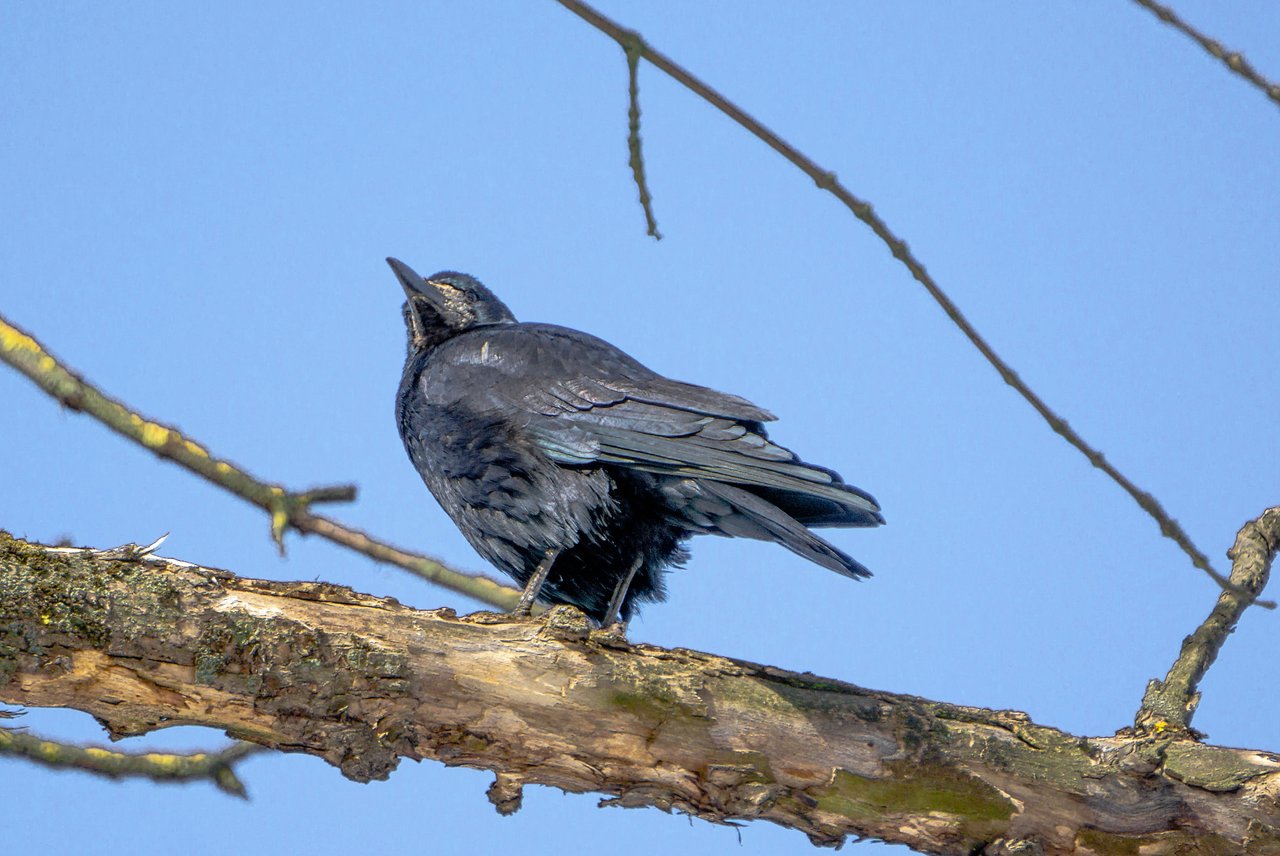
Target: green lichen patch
{"x":208,"y":666}
{"x":1097,"y":841}
{"x":819,"y":695}
{"x":914,"y":789}
{"x":651,"y":690}
{"x":1171,"y":843}
{"x":1209,"y":767}
{"x":767,"y":698}
{"x":44,"y":594}
{"x":231,"y":651}
{"x":917,"y":728}
{"x":566,"y":623}
{"x":390,"y":668}
{"x":1005,"y":740}
{"x":657,"y":706}
{"x":289,"y":666}
{"x":8,"y":658}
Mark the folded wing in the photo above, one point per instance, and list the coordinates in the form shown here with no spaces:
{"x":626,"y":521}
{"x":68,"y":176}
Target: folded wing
{"x":587,"y":402}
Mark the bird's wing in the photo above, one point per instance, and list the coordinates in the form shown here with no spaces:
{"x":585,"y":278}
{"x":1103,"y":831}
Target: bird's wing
{"x":570,"y":371}
{"x":585,"y":401}
{"x":669,"y":440}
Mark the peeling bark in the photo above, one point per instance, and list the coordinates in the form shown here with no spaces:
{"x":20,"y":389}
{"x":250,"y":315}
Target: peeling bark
{"x":144,"y":643}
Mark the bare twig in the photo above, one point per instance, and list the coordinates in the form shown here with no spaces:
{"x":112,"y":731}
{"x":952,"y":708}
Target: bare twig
{"x":216,"y":767}
{"x":287,"y":509}
{"x":480,"y":587}
{"x":825,"y":179}
{"x":1170,"y":704}
{"x":1231,"y":59}
{"x":634,"y":49}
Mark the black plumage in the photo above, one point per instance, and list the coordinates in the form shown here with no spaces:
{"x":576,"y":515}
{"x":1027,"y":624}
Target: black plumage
{"x":557,"y":454}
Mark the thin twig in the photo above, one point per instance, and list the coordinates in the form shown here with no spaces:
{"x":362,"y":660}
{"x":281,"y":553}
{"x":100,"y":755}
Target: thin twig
{"x":480,"y":587}
{"x":1231,"y":59}
{"x":861,"y":209}
{"x":23,"y":352}
{"x":216,"y":767}
{"x":634,"y":49}
{"x":1170,"y":704}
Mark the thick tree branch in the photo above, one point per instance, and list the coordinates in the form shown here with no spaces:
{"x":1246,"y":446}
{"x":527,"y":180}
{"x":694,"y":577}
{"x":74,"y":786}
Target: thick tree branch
{"x":143,"y":643}
{"x":634,"y":45}
{"x":26,"y":354}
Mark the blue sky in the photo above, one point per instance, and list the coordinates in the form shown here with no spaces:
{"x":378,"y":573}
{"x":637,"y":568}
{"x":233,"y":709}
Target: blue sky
{"x":197,"y":202}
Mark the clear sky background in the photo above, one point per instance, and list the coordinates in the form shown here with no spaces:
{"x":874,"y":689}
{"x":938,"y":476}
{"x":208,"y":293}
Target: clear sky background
{"x":197,"y":201}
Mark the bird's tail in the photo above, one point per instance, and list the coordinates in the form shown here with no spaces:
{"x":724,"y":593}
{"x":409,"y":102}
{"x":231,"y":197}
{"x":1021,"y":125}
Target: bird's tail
{"x":751,"y":516}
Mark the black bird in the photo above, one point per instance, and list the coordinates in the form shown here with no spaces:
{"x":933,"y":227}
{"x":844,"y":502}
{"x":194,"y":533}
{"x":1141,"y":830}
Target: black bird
{"x":580,"y":472}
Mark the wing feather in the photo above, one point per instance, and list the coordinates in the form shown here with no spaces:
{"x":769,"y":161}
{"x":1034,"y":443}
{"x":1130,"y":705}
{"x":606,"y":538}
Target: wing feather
{"x":584,"y":401}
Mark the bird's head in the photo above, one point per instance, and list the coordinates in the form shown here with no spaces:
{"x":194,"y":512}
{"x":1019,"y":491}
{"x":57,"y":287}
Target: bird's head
{"x":444,"y":304}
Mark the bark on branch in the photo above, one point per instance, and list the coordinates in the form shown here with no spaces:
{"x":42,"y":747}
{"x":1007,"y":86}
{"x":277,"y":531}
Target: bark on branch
{"x":144,"y":643}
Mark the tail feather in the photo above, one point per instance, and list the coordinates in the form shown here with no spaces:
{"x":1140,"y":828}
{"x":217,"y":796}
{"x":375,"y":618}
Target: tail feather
{"x":818,"y":510}
{"x":753,"y":516}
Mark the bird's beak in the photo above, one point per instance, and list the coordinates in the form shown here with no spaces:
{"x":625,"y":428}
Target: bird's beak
{"x":413,"y":285}
{"x":416,"y":289}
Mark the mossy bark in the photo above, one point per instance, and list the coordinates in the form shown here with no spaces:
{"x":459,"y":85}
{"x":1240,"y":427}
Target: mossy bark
{"x":144,"y":643}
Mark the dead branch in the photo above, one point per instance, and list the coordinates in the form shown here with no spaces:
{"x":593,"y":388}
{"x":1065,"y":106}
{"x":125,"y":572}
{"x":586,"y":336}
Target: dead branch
{"x":144,"y":643}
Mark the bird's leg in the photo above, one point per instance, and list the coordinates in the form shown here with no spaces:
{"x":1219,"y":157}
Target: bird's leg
{"x":525,"y":605}
{"x":620,"y":593}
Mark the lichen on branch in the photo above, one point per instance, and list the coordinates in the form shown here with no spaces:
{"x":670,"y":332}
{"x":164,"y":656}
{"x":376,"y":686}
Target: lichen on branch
{"x":143,"y":643}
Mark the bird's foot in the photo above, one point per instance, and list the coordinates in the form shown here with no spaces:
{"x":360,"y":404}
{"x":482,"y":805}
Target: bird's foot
{"x":524,"y":606}
{"x":613,"y":612}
